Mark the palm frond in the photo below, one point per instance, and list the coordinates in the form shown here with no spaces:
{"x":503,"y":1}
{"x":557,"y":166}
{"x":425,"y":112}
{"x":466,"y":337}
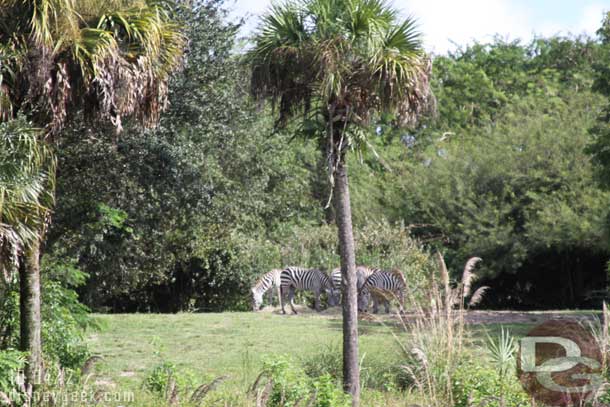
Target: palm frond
{"x":27,"y":170}
{"x":115,"y":57}
{"x":349,"y":57}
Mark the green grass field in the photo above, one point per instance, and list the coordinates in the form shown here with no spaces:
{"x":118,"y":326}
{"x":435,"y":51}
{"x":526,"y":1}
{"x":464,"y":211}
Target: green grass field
{"x":217,"y":344}
{"x":236,"y":344}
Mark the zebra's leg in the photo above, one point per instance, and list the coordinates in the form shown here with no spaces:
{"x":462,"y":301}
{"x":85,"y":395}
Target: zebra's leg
{"x":270,"y":295}
{"x":401,"y":299}
{"x":387,"y":306}
{"x":291,"y":299}
{"x":282,"y":296}
{"x":279,"y":296}
{"x":316,"y":302}
{"x":375,"y":305}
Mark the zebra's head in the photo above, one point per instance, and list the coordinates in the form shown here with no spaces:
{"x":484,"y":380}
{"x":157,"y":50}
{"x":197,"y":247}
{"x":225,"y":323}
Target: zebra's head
{"x":333,"y":296}
{"x":364,"y":297}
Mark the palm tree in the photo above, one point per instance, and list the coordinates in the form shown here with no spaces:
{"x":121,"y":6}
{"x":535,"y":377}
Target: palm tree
{"x":336,"y":64}
{"x":98,"y":59}
{"x":27,"y":179}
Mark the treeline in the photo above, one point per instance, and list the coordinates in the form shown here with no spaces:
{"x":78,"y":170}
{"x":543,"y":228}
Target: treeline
{"x":185,"y":216}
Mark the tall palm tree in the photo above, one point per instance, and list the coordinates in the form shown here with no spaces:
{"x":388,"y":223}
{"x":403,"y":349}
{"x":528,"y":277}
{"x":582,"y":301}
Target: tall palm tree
{"x":27,"y":179}
{"x":339,"y":63}
{"x":99,"y":59}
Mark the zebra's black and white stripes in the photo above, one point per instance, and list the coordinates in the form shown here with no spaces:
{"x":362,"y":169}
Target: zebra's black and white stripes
{"x":314,"y":280}
{"x":381,"y":286}
{"x":262,"y":285}
{"x":362,"y":273}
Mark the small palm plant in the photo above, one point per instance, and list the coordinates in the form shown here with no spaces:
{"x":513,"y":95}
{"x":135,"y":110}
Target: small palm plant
{"x":502,"y":351}
{"x":337,"y":64}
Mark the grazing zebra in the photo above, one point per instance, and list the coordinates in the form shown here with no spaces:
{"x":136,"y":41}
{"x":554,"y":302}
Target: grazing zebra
{"x":362,"y":273}
{"x":296,"y":278}
{"x":382,"y":286}
{"x":264,"y":284}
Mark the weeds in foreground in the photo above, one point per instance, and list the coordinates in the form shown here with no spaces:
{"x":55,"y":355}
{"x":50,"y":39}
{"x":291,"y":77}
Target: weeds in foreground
{"x":434,"y":345}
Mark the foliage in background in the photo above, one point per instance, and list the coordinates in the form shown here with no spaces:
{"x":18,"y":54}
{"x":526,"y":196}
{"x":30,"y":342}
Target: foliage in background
{"x":186,"y":216}
{"x":149,"y":217}
{"x":501,"y":172}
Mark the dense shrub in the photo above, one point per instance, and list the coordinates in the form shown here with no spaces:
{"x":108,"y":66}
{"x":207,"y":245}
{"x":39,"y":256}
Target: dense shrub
{"x":474,"y":384}
{"x":378,"y":371}
{"x":161,"y":376}
{"x":65,"y":318}
{"x":291,"y":386}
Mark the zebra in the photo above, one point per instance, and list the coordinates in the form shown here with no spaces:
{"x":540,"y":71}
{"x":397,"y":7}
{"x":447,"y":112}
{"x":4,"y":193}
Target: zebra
{"x":297,"y":278}
{"x":362,"y":273}
{"x":380,"y":285}
{"x":264,"y":284}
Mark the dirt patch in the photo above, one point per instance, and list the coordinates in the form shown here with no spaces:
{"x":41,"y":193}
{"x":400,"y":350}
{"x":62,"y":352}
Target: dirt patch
{"x":472,"y":317}
{"x":104,"y":382}
{"x":530,"y":317}
{"x":127,"y":374}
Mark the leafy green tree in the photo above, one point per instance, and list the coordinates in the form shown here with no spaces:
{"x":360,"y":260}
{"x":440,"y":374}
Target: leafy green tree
{"x":520,"y":194}
{"x":600,"y":145}
{"x":339,"y":62}
{"x":153,"y":217}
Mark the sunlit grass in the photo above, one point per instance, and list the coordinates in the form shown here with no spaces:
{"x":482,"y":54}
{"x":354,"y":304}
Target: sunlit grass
{"x":235,"y":344}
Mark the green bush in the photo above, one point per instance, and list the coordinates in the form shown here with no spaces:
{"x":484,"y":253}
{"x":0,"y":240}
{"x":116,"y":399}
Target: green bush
{"x":376,"y":371}
{"x":328,"y":394}
{"x":65,"y":319}
{"x":475,"y":385}
{"x":292,"y":386}
{"x":165,"y":372}
{"x":159,"y":378}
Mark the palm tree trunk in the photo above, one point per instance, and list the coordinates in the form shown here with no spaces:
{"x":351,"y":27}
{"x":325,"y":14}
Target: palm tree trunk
{"x":321,"y":187}
{"x":351,"y":371}
{"x":31,"y":328}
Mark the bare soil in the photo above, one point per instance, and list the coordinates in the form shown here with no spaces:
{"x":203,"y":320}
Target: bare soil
{"x":472,"y":317}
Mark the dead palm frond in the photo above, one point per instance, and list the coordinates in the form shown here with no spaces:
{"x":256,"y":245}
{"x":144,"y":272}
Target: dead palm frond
{"x":112,"y":57}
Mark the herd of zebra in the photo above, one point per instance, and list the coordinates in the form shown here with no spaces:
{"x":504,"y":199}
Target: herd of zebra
{"x":378,"y":285}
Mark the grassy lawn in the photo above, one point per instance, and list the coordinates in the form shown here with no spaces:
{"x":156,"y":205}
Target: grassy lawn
{"x":235,"y":344}
{"x":217,"y":344}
